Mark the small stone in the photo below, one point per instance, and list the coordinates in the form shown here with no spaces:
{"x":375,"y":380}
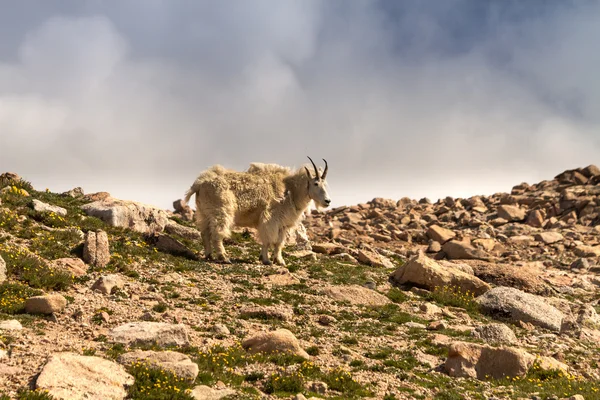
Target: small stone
{"x":10,"y":325}
{"x":105,"y":284}
{"x":46,"y":304}
{"x":437,"y":326}
{"x":326,"y":320}
{"x":549,"y":237}
{"x":204,"y":392}
{"x":220,"y":329}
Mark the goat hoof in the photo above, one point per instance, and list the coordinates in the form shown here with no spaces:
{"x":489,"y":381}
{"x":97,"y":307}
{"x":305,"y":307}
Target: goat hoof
{"x":267,"y":262}
{"x":223,"y":260}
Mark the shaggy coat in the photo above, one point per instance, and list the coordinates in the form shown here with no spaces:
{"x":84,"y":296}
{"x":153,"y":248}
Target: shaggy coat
{"x":267,"y":197}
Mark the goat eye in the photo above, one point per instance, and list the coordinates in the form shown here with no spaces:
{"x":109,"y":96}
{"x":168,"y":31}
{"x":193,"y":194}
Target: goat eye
{"x":316,"y":183}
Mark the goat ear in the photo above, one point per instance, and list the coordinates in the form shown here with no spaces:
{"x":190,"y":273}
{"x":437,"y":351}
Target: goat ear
{"x":308,"y":172}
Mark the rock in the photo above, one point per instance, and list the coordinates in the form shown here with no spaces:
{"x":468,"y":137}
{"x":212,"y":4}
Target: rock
{"x":46,"y":304}
{"x":128,"y":214}
{"x":10,"y":325}
{"x":316,"y":387}
{"x":75,"y":192}
{"x":150,"y":333}
{"x":173,"y":228}
{"x":2,"y":270}
{"x":356,"y":294}
{"x":439,"y":234}
{"x":516,"y":305}
{"x":374,"y":259}
{"x":581,"y":264}
{"x":463,"y":250}
{"x":183,"y":209}
{"x":591,"y":171}
{"x":95,"y":249}
{"x":167,"y":244}
{"x":424,"y":272}
{"x":495,"y":333}
{"x":267,"y":312}
{"x":471,"y":360}
{"x":326,"y":320}
{"x":549,"y":237}
{"x":71,"y":376}
{"x":434,"y":247}
{"x":587,"y":251}
{"x":281,"y":340}
{"x":74,"y":266}
{"x":106,"y":283}
{"x":535,"y":218}
{"x":203,"y":392}
{"x":327,"y":248}
{"x":177,"y":363}
{"x":526,"y":277}
{"x":42,"y":207}
{"x":511,"y":213}
{"x":220,"y":329}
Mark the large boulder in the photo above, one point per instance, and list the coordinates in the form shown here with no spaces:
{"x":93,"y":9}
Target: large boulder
{"x":463,"y":250}
{"x":42,"y":207}
{"x":439,"y":234}
{"x":516,"y":305}
{"x":150,"y":333}
{"x":128,"y":214}
{"x":96,"y":251}
{"x":281,"y":340}
{"x":472,"y":360}
{"x":422,"y":271}
{"x":172,"y":361}
{"x":74,"y":377}
{"x":511,"y":213}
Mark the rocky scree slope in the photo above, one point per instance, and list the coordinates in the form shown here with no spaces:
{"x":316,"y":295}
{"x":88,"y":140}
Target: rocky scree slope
{"x":483,"y":298}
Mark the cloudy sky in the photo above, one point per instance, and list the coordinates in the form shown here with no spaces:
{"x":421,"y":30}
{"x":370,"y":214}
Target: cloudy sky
{"x":403,"y":98}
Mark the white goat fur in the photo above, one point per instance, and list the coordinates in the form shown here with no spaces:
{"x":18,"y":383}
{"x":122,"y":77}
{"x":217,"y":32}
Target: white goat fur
{"x":267,"y":197}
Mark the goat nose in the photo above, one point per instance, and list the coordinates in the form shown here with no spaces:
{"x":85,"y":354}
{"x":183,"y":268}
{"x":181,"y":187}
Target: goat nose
{"x":327,"y":201}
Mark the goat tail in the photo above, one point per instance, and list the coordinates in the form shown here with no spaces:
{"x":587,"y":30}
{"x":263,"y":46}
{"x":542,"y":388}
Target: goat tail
{"x":193,"y":190}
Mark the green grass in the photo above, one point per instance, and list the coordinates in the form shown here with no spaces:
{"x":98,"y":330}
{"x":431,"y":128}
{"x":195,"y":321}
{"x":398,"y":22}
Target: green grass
{"x":28,"y":268}
{"x":454,"y":296}
{"x":155,"y":383}
{"x":13,"y":297}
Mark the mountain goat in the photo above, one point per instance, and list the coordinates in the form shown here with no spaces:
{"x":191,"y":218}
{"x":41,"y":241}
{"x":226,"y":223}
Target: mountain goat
{"x":267,"y":197}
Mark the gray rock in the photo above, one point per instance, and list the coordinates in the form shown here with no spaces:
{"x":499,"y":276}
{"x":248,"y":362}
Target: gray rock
{"x":40,"y":206}
{"x":106,"y":283}
{"x":150,"y":333}
{"x":10,"y":325}
{"x":96,"y":251}
{"x":172,"y":361}
{"x":128,"y":214}
{"x":71,"y":376}
{"x":495,"y":333}
{"x":516,"y":305}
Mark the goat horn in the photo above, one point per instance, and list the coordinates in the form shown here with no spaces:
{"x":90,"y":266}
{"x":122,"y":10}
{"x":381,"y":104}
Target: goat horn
{"x":325,"y":172}
{"x":315,"y":167}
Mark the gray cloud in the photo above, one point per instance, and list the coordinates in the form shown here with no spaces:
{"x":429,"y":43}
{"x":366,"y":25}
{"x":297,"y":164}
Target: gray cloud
{"x":402,"y":98}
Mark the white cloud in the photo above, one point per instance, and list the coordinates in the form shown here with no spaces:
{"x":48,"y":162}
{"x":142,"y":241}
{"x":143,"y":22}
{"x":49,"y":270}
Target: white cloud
{"x":137,"y":101}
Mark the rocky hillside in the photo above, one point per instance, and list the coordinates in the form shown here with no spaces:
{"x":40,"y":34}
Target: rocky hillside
{"x":482,"y":298}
